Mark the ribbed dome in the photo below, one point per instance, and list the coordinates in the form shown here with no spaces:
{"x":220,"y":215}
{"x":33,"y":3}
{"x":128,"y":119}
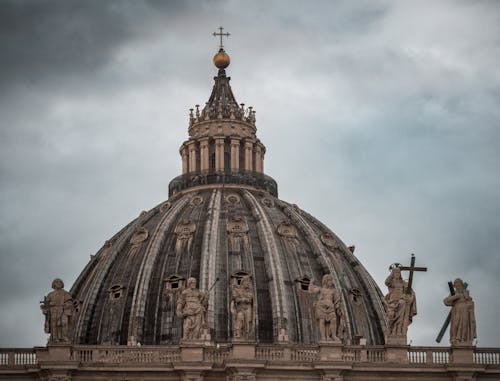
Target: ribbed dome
{"x":128,"y":288}
{"x":223,"y":221}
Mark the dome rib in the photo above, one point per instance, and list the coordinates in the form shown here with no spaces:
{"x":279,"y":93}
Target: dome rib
{"x":146,"y":267}
{"x":313,"y":241}
{"x":209,"y":251}
{"x":276,"y":277}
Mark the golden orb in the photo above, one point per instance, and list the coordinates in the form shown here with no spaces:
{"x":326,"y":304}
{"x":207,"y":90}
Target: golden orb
{"x":221,"y":59}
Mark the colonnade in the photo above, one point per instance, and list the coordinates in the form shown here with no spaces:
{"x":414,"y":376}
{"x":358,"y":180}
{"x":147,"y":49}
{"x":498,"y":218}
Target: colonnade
{"x":221,"y":154}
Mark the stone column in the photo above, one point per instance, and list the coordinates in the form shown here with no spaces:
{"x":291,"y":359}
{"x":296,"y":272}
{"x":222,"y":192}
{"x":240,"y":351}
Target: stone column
{"x":193,"y":151}
{"x":235,"y":154}
{"x":204,"y":158}
{"x":248,"y":155}
{"x":258,"y":158}
{"x":219,"y":153}
{"x":184,"y":156}
{"x":263,"y":153}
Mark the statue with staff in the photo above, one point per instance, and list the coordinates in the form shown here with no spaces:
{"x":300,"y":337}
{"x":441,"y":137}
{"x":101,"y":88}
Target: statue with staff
{"x":400,"y":302}
{"x":192,"y":308}
{"x":461,"y":316}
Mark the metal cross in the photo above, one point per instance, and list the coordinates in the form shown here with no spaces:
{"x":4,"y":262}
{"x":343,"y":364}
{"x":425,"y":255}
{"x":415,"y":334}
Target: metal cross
{"x":221,"y":34}
{"x":411,"y":269}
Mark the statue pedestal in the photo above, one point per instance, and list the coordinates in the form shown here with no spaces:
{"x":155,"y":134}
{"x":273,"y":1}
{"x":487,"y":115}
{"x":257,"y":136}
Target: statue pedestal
{"x":462,"y":354}
{"x":395,"y":340}
{"x":396,"y":349}
{"x":330,"y":350}
{"x":243,"y":350}
{"x":192,"y":351}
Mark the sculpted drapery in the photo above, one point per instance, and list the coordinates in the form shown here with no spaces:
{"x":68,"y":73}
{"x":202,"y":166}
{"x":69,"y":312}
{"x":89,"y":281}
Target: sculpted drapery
{"x":463,"y":321}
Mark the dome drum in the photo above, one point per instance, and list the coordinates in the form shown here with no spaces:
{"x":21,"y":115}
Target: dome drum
{"x":229,"y":178}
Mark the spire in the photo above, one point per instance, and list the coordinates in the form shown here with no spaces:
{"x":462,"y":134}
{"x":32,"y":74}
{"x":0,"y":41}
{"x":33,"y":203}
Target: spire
{"x":222,"y":147}
{"x":222,"y":103}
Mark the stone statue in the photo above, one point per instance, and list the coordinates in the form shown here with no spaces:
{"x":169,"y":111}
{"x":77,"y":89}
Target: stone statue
{"x":237,"y":233}
{"x":184,"y":232}
{"x":401,"y":306}
{"x":463,"y":321}
{"x":137,"y":240}
{"x":242,"y":308}
{"x":58,"y":310}
{"x":328,"y":309}
{"x":192,"y":307}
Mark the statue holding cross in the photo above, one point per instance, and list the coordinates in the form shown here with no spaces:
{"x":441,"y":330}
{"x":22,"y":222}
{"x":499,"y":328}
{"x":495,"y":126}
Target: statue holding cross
{"x":463,"y":321}
{"x":400,"y":302}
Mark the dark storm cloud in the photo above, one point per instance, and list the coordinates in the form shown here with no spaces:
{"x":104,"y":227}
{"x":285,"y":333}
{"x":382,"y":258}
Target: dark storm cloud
{"x":392,"y":108}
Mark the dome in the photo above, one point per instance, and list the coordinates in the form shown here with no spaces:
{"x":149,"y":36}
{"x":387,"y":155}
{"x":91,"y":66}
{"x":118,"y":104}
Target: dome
{"x":223,"y":221}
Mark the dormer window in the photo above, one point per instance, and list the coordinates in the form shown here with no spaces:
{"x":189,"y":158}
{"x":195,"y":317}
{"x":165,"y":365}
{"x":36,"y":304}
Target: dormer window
{"x":303,"y":283}
{"x":174,"y":283}
{"x":116,"y":292}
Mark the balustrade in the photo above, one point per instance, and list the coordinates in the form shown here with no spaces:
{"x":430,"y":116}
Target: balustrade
{"x":12,"y":358}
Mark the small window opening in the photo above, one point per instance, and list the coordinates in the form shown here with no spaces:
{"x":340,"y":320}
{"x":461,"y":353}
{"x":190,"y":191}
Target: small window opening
{"x":174,"y":283}
{"x":303,"y":283}
{"x":238,"y":276}
{"x":116,"y":291}
{"x":356,"y":295}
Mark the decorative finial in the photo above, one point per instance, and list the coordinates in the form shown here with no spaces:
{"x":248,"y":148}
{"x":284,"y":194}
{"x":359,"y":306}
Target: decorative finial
{"x":221,"y":47}
{"x":221,"y":59}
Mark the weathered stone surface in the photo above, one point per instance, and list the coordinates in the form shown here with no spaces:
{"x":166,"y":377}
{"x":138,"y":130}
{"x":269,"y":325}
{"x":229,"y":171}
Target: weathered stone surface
{"x":463,"y":320}
{"x":401,"y":306}
{"x":58,"y":308}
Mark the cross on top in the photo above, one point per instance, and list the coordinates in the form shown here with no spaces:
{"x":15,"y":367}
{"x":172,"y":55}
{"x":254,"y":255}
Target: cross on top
{"x":411,"y":269}
{"x":221,"y":34}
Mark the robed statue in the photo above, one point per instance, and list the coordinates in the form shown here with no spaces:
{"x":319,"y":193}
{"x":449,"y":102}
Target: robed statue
{"x":328,"y":310}
{"x":463,"y":321}
{"x":192,"y":308}
{"x":242,"y":308}
{"x":400,"y":304}
{"x":58,"y":308}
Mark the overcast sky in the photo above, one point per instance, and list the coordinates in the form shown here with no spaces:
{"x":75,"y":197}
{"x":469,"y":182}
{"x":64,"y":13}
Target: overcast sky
{"x":380,"y":118}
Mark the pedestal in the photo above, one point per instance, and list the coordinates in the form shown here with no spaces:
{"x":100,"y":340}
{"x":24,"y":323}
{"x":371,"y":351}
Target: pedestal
{"x":244,"y":351}
{"x":396,"y":349}
{"x":192,"y":352}
{"x":395,"y":340}
{"x":462,"y":354}
{"x":330,"y":351}
{"x":54,"y":353}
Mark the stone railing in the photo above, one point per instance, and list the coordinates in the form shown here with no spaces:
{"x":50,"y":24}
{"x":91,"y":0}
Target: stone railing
{"x":429,"y":355}
{"x":219,"y":354}
{"x":487,"y":356}
{"x":20,"y":357}
{"x":125,"y":355}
